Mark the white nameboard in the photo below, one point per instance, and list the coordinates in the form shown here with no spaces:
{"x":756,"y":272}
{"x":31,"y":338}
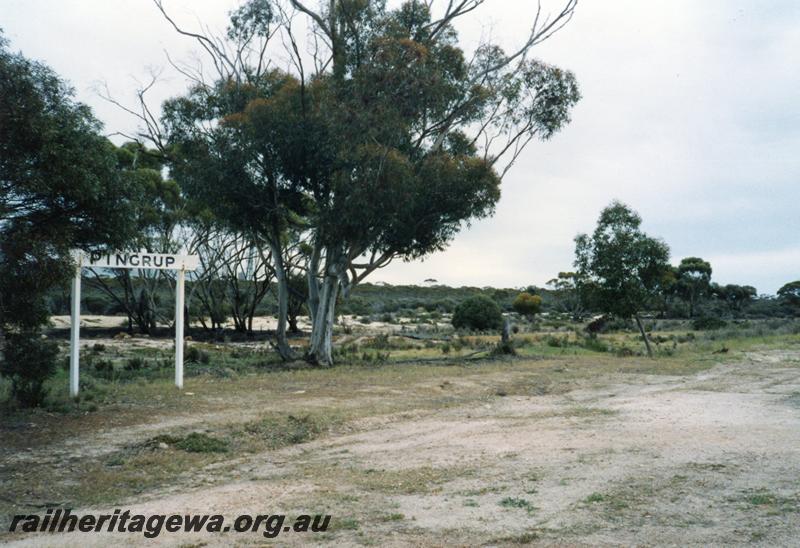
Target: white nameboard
{"x":124,"y":259}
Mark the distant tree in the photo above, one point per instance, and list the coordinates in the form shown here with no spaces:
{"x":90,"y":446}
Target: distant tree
{"x":790,"y":294}
{"x":478,"y":313}
{"x":60,"y":188}
{"x":565,"y":289}
{"x":619,"y":265}
{"x":527,"y":305}
{"x":694,"y":281}
{"x":666,"y":289}
{"x":736,"y":297}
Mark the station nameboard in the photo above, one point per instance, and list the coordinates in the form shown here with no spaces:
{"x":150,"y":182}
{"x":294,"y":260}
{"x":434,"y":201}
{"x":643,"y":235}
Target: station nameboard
{"x":124,"y":259}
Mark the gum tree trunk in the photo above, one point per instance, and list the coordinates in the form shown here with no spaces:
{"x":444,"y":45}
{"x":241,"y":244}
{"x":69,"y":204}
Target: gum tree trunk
{"x":320,"y":348}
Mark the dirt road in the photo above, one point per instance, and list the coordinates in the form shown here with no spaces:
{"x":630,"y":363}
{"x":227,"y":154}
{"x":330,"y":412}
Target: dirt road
{"x":706,"y":459}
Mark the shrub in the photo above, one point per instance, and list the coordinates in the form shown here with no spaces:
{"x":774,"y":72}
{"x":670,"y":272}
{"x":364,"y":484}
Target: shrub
{"x":196,"y":355}
{"x":135,"y":364}
{"x":527,"y":305}
{"x":28,"y":361}
{"x":557,"y":342}
{"x":478,"y":313}
{"x":104,"y":369}
{"x":381,"y":342}
{"x":708,"y":323}
{"x":503,"y":348}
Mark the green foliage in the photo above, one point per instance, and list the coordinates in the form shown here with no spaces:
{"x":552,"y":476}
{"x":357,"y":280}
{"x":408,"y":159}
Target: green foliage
{"x":60,"y":188}
{"x":790,"y":294}
{"x":28,"y":361}
{"x":527,"y":304}
{"x":198,"y":442}
{"x":478,"y":313}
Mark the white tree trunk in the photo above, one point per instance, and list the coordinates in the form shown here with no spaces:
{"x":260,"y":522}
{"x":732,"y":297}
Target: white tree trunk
{"x":320,"y":349}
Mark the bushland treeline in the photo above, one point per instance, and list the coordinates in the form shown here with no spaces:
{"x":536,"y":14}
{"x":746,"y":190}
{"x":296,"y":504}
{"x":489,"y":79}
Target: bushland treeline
{"x":384,"y":302}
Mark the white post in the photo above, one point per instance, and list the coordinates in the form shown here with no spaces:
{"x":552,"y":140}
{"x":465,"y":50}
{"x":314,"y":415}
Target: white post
{"x":75,"y":330}
{"x":179,"y":329}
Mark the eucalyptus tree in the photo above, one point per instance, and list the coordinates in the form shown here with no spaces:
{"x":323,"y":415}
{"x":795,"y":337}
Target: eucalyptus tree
{"x":694,"y":281}
{"x":381,"y":143}
{"x":620,"y":266}
{"x":416,"y":135}
{"x":790,"y":294}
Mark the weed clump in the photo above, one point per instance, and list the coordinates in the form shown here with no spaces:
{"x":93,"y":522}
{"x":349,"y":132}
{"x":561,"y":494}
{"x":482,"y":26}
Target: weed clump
{"x":197,"y":442}
{"x":281,"y":431}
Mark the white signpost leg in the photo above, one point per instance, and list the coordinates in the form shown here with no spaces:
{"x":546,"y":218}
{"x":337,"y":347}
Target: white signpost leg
{"x":179,"y":329}
{"x":75,"y":331}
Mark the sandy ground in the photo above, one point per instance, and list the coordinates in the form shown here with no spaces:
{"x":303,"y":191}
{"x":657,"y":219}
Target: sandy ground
{"x":707,"y":459}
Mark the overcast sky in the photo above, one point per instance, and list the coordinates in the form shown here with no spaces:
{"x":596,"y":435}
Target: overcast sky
{"x":690,"y":114}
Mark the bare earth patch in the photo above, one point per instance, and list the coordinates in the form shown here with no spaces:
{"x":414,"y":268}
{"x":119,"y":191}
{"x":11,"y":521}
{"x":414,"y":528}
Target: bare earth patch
{"x":711,"y":458}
